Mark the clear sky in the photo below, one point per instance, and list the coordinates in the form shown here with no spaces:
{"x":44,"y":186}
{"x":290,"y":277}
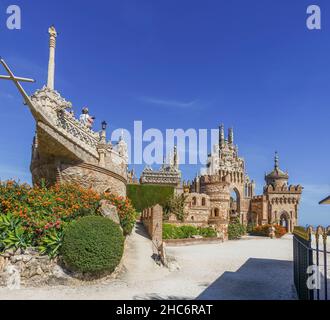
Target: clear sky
{"x":252,"y":65}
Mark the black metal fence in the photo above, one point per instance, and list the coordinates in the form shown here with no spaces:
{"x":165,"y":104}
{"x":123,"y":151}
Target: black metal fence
{"x":311,"y":261}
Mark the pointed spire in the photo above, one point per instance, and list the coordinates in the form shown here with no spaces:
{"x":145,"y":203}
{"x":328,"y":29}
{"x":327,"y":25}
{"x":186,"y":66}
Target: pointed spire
{"x":231,"y":135}
{"x":276,"y":161}
{"x":221,"y":135}
{"x":51,"y":65}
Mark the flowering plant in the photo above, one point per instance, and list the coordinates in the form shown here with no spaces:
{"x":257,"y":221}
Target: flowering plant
{"x":43,"y":213}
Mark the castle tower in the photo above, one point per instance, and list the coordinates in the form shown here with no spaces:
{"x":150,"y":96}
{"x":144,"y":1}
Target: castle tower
{"x":279,"y":203}
{"x":218,"y":190}
{"x":277,"y":178}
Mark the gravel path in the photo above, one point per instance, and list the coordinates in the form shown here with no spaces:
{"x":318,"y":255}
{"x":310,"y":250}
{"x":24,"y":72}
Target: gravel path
{"x":252,"y":268}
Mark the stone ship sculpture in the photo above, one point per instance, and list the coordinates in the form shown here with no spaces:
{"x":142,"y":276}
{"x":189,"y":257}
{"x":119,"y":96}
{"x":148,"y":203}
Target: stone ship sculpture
{"x":64,"y":148}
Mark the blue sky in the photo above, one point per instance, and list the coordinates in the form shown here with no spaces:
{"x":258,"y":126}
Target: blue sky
{"x":184,"y":64}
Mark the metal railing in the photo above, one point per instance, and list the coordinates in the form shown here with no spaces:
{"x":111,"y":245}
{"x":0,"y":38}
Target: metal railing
{"x":311,"y":261}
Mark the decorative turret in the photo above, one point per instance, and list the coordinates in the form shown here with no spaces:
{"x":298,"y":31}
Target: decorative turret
{"x":231,"y":136}
{"x":176,"y":158}
{"x":221,"y":135}
{"x":277,"y":178}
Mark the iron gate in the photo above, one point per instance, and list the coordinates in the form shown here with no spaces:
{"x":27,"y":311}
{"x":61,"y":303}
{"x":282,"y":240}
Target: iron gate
{"x":311,"y":261}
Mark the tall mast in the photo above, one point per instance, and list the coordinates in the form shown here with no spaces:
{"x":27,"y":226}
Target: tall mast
{"x":51,"y":65}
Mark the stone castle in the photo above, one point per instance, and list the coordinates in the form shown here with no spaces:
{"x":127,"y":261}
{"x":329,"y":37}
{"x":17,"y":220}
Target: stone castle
{"x":226,"y":191}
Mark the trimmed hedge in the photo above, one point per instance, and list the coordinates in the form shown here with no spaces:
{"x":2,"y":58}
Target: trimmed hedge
{"x":186,"y":232}
{"x":145,"y":196}
{"x":92,"y":245}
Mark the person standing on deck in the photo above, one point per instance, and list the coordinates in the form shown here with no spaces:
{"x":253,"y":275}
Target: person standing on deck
{"x":86,"y":119}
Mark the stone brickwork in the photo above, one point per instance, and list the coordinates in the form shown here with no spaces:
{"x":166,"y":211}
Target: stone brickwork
{"x":89,"y":176}
{"x":197,"y":209}
{"x":152,"y":219}
{"x":218,"y":189}
{"x":27,"y":268}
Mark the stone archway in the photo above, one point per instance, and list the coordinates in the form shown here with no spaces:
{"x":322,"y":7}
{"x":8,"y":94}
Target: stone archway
{"x":235,"y":203}
{"x":285,"y":221}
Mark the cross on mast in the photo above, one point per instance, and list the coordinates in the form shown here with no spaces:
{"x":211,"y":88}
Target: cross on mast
{"x":16,"y":80}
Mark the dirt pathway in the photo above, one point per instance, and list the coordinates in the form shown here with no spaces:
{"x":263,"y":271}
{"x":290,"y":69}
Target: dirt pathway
{"x":253,"y":268}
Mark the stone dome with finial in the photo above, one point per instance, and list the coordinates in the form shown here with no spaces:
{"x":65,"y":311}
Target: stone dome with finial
{"x":277,"y":178}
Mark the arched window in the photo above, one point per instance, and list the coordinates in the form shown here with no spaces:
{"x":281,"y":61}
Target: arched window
{"x":194,"y":201}
{"x":203,"y":202}
{"x":192,"y":218}
{"x":216,"y":212}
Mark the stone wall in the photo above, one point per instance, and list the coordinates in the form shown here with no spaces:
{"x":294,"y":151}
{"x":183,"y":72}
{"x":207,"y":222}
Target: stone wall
{"x":97,"y":178}
{"x":29,"y":269}
{"x":259,"y":211}
{"x":152,"y":218}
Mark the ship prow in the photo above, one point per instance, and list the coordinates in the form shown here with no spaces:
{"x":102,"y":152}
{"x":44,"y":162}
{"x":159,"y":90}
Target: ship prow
{"x":64,"y":148}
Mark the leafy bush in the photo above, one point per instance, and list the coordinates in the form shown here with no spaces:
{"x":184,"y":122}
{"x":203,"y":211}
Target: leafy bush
{"x":92,"y":245}
{"x":175,"y":205}
{"x":235,"y":229}
{"x":250,"y":227}
{"x":146,"y":196}
{"x":38,"y":216}
{"x":207,"y":232}
{"x":186,"y":232}
{"x":12,"y":234}
{"x":263,"y":231}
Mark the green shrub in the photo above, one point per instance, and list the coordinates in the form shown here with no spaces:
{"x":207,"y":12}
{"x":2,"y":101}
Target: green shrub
{"x":12,"y":233}
{"x":92,"y":245}
{"x":186,"y":232}
{"x":146,"y":196}
{"x":207,"y":232}
{"x":235,"y":229}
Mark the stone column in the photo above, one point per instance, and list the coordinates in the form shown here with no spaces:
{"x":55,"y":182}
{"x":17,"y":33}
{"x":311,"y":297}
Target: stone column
{"x":51,"y":65}
{"x":157,"y":225}
{"x":102,"y":152}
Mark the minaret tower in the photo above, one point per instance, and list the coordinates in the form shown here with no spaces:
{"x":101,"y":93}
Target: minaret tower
{"x":51,"y":66}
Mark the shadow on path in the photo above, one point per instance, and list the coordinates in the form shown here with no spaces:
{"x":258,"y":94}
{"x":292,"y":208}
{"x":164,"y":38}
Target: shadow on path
{"x":141,"y":230}
{"x":257,"y":279}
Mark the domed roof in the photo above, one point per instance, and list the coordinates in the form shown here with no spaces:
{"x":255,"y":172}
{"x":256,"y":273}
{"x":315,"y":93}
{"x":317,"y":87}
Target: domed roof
{"x":277,"y":173}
